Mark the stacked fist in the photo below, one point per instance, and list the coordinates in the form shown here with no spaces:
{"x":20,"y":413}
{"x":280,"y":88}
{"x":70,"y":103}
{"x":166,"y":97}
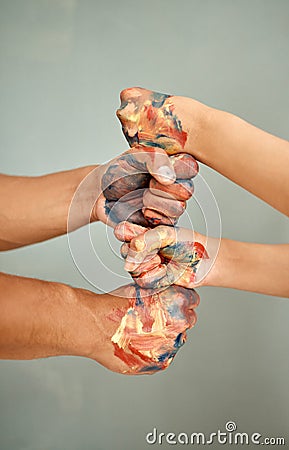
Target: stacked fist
{"x":143,"y":192}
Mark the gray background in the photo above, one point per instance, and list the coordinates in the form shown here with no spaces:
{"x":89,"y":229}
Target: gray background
{"x":63,"y":63}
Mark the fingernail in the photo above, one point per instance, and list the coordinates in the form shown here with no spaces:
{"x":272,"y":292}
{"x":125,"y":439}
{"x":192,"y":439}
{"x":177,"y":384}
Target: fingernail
{"x":166,"y":172}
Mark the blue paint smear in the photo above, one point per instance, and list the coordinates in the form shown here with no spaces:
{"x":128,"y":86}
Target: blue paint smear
{"x":179,"y":341}
{"x":152,"y":143}
{"x":131,"y":139}
{"x":159,"y":99}
{"x":123,"y":104}
{"x":139,"y":301}
{"x":167,"y":355}
{"x":110,"y":214}
{"x":175,"y":311}
{"x":150,"y":369}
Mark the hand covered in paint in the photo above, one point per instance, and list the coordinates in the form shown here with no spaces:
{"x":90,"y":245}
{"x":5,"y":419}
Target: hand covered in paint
{"x":144,"y":186}
{"x":145,"y":329}
{"x":162,"y":256}
{"x":169,"y":122}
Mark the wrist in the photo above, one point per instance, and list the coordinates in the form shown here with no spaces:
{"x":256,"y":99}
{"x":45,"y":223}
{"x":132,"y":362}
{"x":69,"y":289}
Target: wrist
{"x":226,"y":267}
{"x":97,"y":317}
{"x":80,"y":327}
{"x":83,"y":194}
{"x":198,"y":121}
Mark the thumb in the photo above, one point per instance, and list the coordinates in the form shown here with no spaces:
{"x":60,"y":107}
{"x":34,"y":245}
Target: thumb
{"x":160,"y":166}
{"x":126,"y":231}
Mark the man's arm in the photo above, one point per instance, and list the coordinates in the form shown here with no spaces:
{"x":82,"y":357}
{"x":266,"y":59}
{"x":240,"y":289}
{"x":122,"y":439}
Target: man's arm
{"x":34,"y":209}
{"x":119,"y":330}
{"x":40,"y":319}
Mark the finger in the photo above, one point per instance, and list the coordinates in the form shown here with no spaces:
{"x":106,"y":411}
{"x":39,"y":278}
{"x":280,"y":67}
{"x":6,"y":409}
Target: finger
{"x":180,"y":190}
{"x":156,"y":218}
{"x":166,"y":206}
{"x":181,"y":302}
{"x":144,"y":245}
{"x":156,"y":161}
{"x":102,"y":211}
{"x":147,"y":266}
{"x":161,"y":168}
{"x":124,"y":250}
{"x":138,"y":218}
{"x":125,"y":231}
{"x":188,"y":298}
{"x":162,"y":276}
{"x":132,"y":101}
{"x":121,"y":178}
{"x":153,"y":279}
{"x":185,"y":166}
{"x":133,"y":94}
{"x":130,"y":211}
{"x":154,"y":239}
{"x":134,"y":259}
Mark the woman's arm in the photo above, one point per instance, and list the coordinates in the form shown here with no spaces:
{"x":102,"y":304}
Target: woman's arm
{"x":252,"y":158}
{"x":261,"y":268}
{"x":164,"y":255}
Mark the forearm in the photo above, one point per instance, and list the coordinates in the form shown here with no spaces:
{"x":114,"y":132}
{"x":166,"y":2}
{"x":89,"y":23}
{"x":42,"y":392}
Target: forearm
{"x":40,"y":319}
{"x":250,"y":157}
{"x":251,"y":267}
{"x":243,"y":153}
{"x":35,"y":209}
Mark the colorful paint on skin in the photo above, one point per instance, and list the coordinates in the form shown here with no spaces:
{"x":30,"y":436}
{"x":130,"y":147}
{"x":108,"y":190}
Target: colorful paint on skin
{"x":155,"y":218}
{"x":176,"y":262}
{"x":186,"y":168}
{"x":149,"y":118}
{"x":130,"y":194}
{"x":178,"y":265}
{"x":154,"y":328}
{"x":181,"y":261}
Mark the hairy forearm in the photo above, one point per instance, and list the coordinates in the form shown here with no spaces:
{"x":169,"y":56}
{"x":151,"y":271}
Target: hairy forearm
{"x":40,"y":319}
{"x":35,"y":209}
{"x":252,"y":267}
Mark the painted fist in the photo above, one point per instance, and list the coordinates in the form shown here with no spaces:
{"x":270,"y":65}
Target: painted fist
{"x":159,"y":257}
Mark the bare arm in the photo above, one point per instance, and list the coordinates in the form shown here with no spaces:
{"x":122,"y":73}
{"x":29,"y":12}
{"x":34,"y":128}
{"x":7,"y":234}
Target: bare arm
{"x":40,"y":319}
{"x":162,"y":256}
{"x":119,"y":330}
{"x":261,"y":268}
{"x":252,"y":158}
{"x":35,"y":209}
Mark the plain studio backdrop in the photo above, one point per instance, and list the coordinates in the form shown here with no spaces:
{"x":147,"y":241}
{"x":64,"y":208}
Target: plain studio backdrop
{"x":63,"y":64}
